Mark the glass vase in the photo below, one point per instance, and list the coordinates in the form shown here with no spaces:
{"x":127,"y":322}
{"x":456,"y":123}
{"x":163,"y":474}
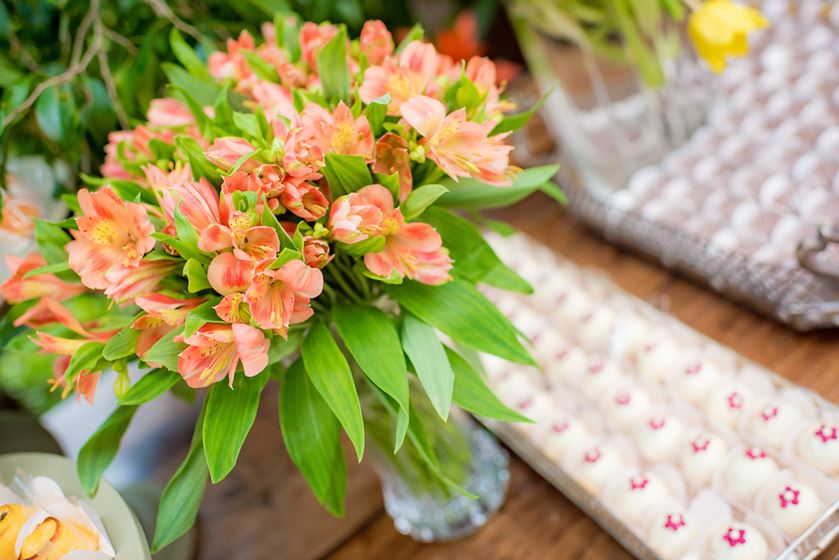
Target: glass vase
{"x":611,"y":115}
{"x":427,"y":509}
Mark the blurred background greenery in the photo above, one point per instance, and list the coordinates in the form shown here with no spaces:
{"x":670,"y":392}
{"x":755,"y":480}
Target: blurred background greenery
{"x":73,"y":70}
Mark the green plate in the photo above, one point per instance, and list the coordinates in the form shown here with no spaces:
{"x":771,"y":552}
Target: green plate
{"x":123,"y":529}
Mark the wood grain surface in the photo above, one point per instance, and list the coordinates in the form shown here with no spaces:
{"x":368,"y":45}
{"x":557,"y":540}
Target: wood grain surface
{"x":264,"y":510}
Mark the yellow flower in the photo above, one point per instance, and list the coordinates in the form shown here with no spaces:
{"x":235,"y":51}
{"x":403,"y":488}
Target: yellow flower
{"x":719,"y":29}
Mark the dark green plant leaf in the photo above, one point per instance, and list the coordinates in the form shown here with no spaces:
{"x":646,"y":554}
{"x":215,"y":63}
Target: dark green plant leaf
{"x":424,"y":349}
{"x":420,"y":199}
{"x":332,"y":68}
{"x":182,"y":496}
{"x":374,"y":343}
{"x":150,"y":386}
{"x":474,"y":259}
{"x":122,"y":345}
{"x":470,"y":194}
{"x":460,"y":311}
{"x":312,"y":436}
{"x":230,"y":416}
{"x":330,"y":374}
{"x":97,"y":454}
{"x":165,"y":351}
{"x":471,"y":393}
{"x":346,"y":174}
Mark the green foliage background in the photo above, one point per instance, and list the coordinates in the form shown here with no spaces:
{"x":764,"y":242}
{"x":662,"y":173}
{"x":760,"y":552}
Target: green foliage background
{"x":102,"y":60}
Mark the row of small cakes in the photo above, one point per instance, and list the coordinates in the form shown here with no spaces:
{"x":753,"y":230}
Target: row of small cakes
{"x":611,"y":467}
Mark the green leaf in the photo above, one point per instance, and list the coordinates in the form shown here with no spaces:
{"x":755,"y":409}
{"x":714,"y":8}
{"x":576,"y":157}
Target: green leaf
{"x":122,"y":345}
{"x":85,"y":358}
{"x":150,"y":386}
{"x":346,"y":174}
{"x":97,"y":454}
{"x":196,"y":276}
{"x":504,"y":277}
{"x":473,"y":395}
{"x":263,"y":69}
{"x":415,"y":34}
{"x":51,"y":240}
{"x":286,"y":256}
{"x":200,"y":316}
{"x":165,"y":351}
{"x":184,"y":249}
{"x":312,"y":436}
{"x":376,"y":112}
{"x":370,"y":245}
{"x":470,"y":194}
{"x":230,"y":416}
{"x":330,"y":374}
{"x":332,"y":68}
{"x":127,"y":190}
{"x":374,"y":343}
{"x":428,"y":357}
{"x":204,"y":91}
{"x":420,"y":199}
{"x":48,"y":269}
{"x":186,"y":56}
{"x":55,"y":112}
{"x":460,"y":311}
{"x":182,"y":496}
{"x":198,"y":162}
{"x":474,"y":259}
{"x":514,"y":122}
{"x":204,"y":122}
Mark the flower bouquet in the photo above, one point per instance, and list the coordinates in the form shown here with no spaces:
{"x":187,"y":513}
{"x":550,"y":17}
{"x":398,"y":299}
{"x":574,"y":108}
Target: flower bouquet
{"x":287,"y":213}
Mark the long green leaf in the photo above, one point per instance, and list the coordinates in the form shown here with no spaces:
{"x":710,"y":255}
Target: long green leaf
{"x":150,"y":386}
{"x":97,"y":454}
{"x":182,"y":496}
{"x":166,"y":351}
{"x":424,"y":349}
{"x":470,"y":194}
{"x":186,"y":56}
{"x":230,"y":416}
{"x":515,"y":122}
{"x":474,"y":259}
{"x":332,"y":68}
{"x":459,"y":310}
{"x":472,"y":393}
{"x":312,"y":436}
{"x":122,"y":345}
{"x":85,"y":358}
{"x":330,"y":374}
{"x":346,"y":174}
{"x":374,"y":343}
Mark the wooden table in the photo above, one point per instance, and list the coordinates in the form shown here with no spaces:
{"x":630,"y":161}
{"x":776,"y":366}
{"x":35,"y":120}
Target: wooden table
{"x":265,"y":511}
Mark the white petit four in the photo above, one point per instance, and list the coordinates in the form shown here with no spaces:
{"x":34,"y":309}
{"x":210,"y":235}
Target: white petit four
{"x":818,"y":445}
{"x":794,"y":507}
{"x":656,"y":359}
{"x":695,"y":378}
{"x":659,"y":436}
{"x":747,"y":472}
{"x":773,"y":422}
{"x":671,"y":534}
{"x":726,"y":404}
{"x":597,"y":465}
{"x":562,"y":433}
{"x":638,"y":494}
{"x":627,"y":406}
{"x":738,"y":541}
{"x":598,"y":377}
{"x":701,"y":457}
